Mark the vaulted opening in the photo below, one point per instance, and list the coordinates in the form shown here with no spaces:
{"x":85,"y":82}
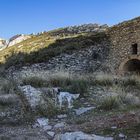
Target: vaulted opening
{"x":132,"y":65}
{"x":135,"y":48}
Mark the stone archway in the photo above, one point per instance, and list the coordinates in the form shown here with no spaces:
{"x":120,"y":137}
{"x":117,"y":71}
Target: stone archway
{"x":131,"y":64}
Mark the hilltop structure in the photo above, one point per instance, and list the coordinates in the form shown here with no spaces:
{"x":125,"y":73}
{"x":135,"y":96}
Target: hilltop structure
{"x":124,"y":54}
{"x":117,"y":52}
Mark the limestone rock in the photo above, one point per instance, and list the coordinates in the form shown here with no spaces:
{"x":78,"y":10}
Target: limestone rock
{"x":3,"y":43}
{"x":59,"y":125}
{"x":43,"y":123}
{"x":80,"y":136}
{"x":83,"y":110}
{"x":51,"y":133}
{"x":17,"y":39}
{"x":32,"y":95}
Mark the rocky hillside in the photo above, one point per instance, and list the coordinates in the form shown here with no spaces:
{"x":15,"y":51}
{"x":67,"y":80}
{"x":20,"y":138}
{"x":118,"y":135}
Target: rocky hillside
{"x":13,"y":41}
{"x":40,"y":100}
{"x":17,"y":39}
{"x":3,"y":43}
{"x":45,"y":45}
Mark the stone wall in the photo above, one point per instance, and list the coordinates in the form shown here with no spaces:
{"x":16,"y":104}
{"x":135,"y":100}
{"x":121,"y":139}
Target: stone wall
{"x":122,"y":37}
{"x":115,"y":51}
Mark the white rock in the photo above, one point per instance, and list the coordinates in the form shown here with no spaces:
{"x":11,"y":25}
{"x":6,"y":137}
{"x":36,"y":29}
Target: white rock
{"x":32,"y":95}
{"x":121,"y":135}
{"x":51,"y":133}
{"x":61,"y":116}
{"x":80,"y":136}
{"x":83,"y":110}
{"x":17,"y":39}
{"x":43,"y":123}
{"x":114,"y":127}
{"x":59,"y":125}
{"x":3,"y":43}
{"x":48,"y":127}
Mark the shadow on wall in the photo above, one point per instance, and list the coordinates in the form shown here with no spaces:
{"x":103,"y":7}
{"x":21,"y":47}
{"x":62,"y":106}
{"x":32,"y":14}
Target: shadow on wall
{"x":67,"y":45}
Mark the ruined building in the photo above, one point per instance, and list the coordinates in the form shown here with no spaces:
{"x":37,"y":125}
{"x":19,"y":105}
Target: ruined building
{"x":117,"y":52}
{"x":113,"y":49}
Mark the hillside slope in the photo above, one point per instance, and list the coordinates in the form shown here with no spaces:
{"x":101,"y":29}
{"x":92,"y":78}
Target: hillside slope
{"x":43,"y":46}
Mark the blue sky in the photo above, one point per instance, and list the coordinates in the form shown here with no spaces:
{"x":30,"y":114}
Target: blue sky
{"x":28,"y":16}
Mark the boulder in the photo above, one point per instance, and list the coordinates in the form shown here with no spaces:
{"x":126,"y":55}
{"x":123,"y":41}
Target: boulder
{"x":32,"y":95}
{"x":80,"y":136}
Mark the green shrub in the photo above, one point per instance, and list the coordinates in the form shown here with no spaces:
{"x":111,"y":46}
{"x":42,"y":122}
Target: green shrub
{"x":48,"y":108}
{"x":110,"y":102}
{"x":8,"y":86}
{"x":79,"y":86}
{"x":71,"y":84}
{"x":129,"y":82}
{"x":9,"y":99}
{"x":59,"y":81}
{"x":34,"y":81}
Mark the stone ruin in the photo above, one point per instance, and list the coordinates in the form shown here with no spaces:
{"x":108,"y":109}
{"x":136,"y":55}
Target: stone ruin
{"x":118,"y":52}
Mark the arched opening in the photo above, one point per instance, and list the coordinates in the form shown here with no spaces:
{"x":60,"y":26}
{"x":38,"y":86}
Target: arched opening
{"x":132,"y":65}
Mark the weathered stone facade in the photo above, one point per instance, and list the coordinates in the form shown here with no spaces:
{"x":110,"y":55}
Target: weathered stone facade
{"x":120,"y":52}
{"x":125,"y":45}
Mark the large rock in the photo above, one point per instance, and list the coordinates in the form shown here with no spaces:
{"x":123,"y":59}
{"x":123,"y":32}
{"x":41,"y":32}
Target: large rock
{"x":32,"y":95}
{"x":17,"y":39}
{"x":80,"y":136}
{"x":3,"y":43}
{"x":83,"y":110}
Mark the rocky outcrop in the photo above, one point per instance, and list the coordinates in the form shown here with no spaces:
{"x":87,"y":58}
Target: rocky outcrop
{"x":17,"y":39}
{"x":3,"y":43}
{"x":32,"y":95}
{"x":85,"y":28}
{"x":80,"y":136}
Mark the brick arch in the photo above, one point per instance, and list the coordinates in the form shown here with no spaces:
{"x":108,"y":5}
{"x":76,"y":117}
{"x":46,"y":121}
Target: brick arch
{"x":121,"y":67}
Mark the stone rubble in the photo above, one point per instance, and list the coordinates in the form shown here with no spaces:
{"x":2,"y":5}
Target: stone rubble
{"x":83,"y":110}
{"x":80,"y":136}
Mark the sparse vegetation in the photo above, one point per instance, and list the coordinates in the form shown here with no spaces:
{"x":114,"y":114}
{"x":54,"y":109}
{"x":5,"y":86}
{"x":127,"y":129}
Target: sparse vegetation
{"x":48,"y":109}
{"x":8,"y":86}
{"x":42,"y":47}
{"x":109,"y":103}
{"x":108,"y":93}
{"x":34,"y":81}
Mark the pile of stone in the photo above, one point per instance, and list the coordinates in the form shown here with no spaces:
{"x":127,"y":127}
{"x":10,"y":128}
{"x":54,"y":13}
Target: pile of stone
{"x":85,"y":28}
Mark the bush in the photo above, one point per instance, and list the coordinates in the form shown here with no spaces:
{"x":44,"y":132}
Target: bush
{"x":103,"y":80}
{"x":34,"y":81}
{"x":110,"y":102}
{"x":79,"y":86}
{"x":8,"y":99}
{"x":8,"y":86}
{"x":47,"y":109}
{"x":131,"y":81}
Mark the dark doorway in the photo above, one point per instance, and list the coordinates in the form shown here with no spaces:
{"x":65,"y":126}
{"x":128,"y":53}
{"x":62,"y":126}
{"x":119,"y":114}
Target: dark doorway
{"x":135,"y":48}
{"x":132,"y":65}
